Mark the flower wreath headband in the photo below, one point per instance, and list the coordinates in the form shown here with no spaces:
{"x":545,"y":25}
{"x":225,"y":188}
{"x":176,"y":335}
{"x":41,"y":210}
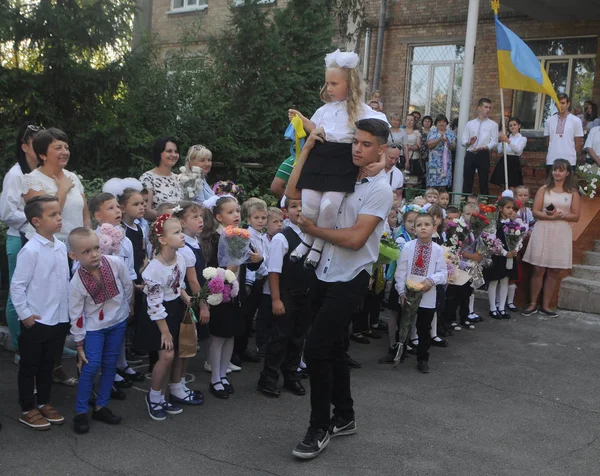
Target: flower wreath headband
{"x":343,"y":59}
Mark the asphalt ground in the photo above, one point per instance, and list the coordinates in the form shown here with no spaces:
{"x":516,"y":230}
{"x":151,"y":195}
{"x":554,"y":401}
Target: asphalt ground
{"x":518,"y":397}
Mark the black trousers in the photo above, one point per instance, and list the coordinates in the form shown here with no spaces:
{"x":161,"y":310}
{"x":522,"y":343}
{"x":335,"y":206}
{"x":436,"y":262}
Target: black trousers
{"x":479,"y":162}
{"x":286,"y":338}
{"x":457,"y":299}
{"x":332,"y":306}
{"x":38,"y":346}
{"x":250,"y":305}
{"x":368,"y":314}
{"x":424,"y":318}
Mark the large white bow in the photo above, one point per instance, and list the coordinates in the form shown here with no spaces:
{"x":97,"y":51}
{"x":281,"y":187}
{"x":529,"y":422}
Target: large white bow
{"x":343,"y":59}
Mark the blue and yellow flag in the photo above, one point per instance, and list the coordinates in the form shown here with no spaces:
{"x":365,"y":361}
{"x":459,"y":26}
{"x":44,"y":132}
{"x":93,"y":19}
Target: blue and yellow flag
{"x":518,"y":66}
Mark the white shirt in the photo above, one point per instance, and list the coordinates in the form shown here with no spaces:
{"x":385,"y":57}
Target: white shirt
{"x":114,"y":311}
{"x":436,"y":271}
{"x":40,"y":282}
{"x":371,"y":197}
{"x":187,"y":253}
{"x":592,"y":141}
{"x":486,"y":132}
{"x":11,"y":202}
{"x":397,"y":137}
{"x":333,"y":117}
{"x":515,"y":147}
{"x":563,"y":147}
{"x":269,"y":245}
{"x":163,"y":283}
{"x":72,"y":212}
{"x":395,"y":178}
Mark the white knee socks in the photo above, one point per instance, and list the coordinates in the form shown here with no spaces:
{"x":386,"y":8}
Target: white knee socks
{"x":512,"y":289}
{"x":311,"y":204}
{"x":330,"y":205}
{"x":215,"y":352}
{"x":502,"y":293}
{"x":497,"y":293}
{"x":492,"y":287}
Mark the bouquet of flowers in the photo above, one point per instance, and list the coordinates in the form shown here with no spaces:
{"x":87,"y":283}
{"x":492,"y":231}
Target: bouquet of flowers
{"x":221,"y":286}
{"x":589,"y":176}
{"x":412,"y":300}
{"x":452,"y":263}
{"x":479,"y":223}
{"x":234,"y":246}
{"x":388,"y":250}
{"x":475,"y":271}
{"x":457,"y":231}
{"x":191,"y":181}
{"x":488,"y":211}
{"x":514,"y":232}
{"x":110,"y":237}
{"x":488,"y":245}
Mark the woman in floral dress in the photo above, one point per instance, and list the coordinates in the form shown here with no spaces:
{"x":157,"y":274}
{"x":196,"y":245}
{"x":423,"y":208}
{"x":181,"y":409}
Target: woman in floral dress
{"x":439,"y":170}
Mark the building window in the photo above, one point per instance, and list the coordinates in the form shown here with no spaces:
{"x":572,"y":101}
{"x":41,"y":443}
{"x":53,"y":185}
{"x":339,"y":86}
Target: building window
{"x":180,"y":6}
{"x":239,"y":3}
{"x":570,"y":64}
{"x":435,"y":80}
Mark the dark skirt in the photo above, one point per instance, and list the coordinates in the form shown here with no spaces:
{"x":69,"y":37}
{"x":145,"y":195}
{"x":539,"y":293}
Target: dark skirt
{"x":226,"y":320}
{"x":498,"y":271}
{"x":329,"y":168}
{"x":147,"y":334}
{"x":515,"y":174}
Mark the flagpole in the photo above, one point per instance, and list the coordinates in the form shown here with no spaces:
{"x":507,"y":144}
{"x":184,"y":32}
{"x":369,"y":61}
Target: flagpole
{"x":504,"y":144}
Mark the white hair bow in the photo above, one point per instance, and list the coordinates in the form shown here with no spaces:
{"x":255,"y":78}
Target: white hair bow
{"x":342,"y":59}
{"x":210,"y":203}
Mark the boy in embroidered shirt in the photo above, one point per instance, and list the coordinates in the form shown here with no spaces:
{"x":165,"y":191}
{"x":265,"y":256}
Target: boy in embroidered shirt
{"x":422,"y":260}
{"x":99,"y":295}
{"x":39,"y":293}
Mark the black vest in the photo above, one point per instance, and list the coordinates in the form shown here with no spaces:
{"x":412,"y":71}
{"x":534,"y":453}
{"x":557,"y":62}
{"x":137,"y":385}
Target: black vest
{"x":139,"y":249}
{"x":293,"y":275}
{"x":200,"y":265}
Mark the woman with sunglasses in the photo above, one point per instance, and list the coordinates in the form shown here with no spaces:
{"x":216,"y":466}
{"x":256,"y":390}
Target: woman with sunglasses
{"x":12,"y":214}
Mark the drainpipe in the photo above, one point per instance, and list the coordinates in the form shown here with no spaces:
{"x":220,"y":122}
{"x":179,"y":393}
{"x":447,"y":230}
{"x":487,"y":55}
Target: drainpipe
{"x":367,"y":56}
{"x":379,"y":54}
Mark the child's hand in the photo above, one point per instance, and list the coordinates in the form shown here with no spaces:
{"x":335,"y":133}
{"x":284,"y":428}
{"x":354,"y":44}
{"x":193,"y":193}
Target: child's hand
{"x":402,"y":300}
{"x":374,"y":168}
{"x":30,"y":321}
{"x":511,"y":254}
{"x":166,"y":341}
{"x":427,"y":285}
{"x":204,"y":313}
{"x":278,"y":307}
{"x":294,"y":112}
{"x":317,"y":135}
{"x":255,"y":257}
{"x":81,"y":358}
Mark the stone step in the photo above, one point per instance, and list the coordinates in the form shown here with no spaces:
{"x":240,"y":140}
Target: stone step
{"x":579,"y":294}
{"x":582,"y":271}
{"x":597,"y":245}
{"x":591,"y":258}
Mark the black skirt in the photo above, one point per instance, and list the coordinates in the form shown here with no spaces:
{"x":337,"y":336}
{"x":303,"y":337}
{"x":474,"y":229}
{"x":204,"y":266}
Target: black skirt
{"x":226,"y":320}
{"x":329,"y":168}
{"x":498,"y":271}
{"x":393,"y":298}
{"x":147,"y":334}
{"x":515,"y":174}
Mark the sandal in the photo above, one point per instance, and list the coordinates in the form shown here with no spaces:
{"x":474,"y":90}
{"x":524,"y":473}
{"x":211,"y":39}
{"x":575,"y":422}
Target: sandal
{"x":310,"y":265}
{"x":59,"y":376}
{"x":455,"y":326}
{"x":467,"y":325}
{"x":439,"y":342}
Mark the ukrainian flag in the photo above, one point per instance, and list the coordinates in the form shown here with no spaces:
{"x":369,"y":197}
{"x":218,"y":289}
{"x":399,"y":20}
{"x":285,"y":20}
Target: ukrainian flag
{"x":518,"y":66}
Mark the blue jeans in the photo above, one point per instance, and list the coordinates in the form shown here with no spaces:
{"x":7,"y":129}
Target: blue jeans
{"x":13,"y":246}
{"x":102,"y":349}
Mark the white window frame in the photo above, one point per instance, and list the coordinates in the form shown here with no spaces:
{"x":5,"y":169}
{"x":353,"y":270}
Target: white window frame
{"x":239,"y":3}
{"x":541,"y":98}
{"x":188,"y":8}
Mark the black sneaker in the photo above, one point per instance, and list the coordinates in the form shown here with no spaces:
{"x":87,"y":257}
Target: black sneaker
{"x":529,"y":312}
{"x":353,"y":364}
{"x":341,"y":427}
{"x":81,"y":423}
{"x":268,"y":388}
{"x":548,"y":313}
{"x":312,"y":444}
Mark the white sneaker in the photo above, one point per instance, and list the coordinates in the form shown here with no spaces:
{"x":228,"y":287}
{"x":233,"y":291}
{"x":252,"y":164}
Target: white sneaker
{"x":208,"y":368}
{"x":233,"y":368}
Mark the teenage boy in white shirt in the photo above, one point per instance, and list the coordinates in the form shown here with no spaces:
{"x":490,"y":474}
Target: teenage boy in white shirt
{"x":480,"y":136}
{"x":564,"y":135}
{"x":39,"y":290}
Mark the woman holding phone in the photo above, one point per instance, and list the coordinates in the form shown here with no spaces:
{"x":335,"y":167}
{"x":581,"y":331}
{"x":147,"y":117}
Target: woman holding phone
{"x":550,"y":248}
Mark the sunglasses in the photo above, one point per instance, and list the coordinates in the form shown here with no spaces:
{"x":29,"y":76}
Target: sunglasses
{"x":393,"y":146}
{"x":31,"y":129}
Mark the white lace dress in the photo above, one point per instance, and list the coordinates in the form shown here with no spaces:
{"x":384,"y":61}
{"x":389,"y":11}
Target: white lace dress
{"x":72,"y":212}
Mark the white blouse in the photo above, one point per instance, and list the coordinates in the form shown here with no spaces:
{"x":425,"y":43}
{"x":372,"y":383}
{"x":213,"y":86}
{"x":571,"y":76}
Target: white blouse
{"x":163,"y":283}
{"x":516,"y":146}
{"x":72,"y":212}
{"x":11,"y":202}
{"x":333,"y":117}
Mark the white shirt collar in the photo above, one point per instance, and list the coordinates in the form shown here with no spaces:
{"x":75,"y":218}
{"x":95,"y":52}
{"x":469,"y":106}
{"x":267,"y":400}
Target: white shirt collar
{"x":42,"y":240}
{"x":193,"y":242}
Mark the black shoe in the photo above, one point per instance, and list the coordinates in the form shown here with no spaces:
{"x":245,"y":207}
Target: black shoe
{"x":529,"y":312}
{"x":123,"y":383}
{"x":353,"y":364}
{"x":548,"y":313}
{"x":341,"y":427}
{"x":313,"y":443}
{"x":81,"y":423}
{"x":302,"y":373}
{"x":439,"y":343}
{"x":117,"y":394}
{"x":236,"y":359}
{"x":412,"y":348}
{"x":358,"y":337}
{"x":268,"y":388}
{"x":371,"y":335}
{"x":495,"y":315}
{"x":192,"y":398}
{"x":228,"y":387}
{"x":423,"y":366}
{"x":222,"y":394}
{"x":250,"y":355}
{"x":136,"y":377}
{"x":505,"y":315}
{"x":295,"y":387}
{"x":511,"y":307}
{"x":389,"y":357}
{"x":106,"y":416}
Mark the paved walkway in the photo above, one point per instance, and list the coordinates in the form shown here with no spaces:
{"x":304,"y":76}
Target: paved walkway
{"x":519,"y":397}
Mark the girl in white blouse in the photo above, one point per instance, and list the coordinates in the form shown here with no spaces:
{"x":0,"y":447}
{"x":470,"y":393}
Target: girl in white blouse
{"x":515,"y":144}
{"x":166,"y":300}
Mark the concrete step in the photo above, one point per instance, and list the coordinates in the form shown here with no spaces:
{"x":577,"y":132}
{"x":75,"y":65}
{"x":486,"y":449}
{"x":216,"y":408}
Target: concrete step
{"x":582,"y":271}
{"x":579,"y":294}
{"x":596,"y":245}
{"x":591,"y":258}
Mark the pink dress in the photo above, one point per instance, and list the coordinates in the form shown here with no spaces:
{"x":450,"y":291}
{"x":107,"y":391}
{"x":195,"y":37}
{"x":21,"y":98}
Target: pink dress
{"x":551,"y":243}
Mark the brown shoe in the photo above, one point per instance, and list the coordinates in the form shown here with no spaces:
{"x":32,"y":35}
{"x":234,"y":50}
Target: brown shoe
{"x":50,"y":414}
{"x":34,"y":419}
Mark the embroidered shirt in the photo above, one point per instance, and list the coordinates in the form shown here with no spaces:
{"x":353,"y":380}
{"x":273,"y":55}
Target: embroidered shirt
{"x":163,"y":283}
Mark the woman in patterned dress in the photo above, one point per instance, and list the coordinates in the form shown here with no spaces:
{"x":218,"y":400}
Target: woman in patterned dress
{"x":439,"y":171}
{"x":161,"y":183}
